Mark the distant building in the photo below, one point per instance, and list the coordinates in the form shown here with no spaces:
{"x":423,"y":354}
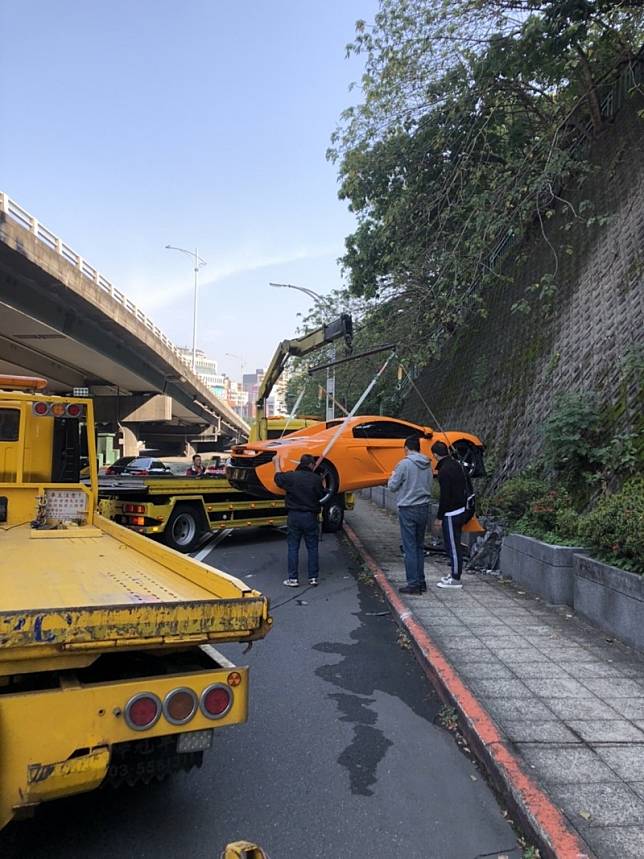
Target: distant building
{"x":205,"y":367}
{"x":251,"y":383}
{"x":230,"y":392}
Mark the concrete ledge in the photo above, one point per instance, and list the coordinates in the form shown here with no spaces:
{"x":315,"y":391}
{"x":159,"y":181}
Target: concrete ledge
{"x":539,"y":816}
{"x":539,"y":567}
{"x":610,"y":598}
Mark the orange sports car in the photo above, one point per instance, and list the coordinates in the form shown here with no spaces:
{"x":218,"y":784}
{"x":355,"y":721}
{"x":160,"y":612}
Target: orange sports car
{"x":364,"y":454}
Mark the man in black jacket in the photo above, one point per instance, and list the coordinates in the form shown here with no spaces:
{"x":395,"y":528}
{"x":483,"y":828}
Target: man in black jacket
{"x":452,"y":510}
{"x":304,"y":491}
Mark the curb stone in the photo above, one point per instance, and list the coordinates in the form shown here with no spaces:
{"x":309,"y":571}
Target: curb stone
{"x":530,"y":805}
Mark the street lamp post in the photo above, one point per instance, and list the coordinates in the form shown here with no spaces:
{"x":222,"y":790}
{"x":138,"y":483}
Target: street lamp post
{"x":197,"y":263}
{"x":324,"y":304}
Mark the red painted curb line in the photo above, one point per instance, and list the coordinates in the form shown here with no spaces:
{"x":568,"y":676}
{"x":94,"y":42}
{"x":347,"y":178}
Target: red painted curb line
{"x":545,"y":821}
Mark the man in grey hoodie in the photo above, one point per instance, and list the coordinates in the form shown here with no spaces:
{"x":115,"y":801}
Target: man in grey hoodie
{"x":412,"y":479}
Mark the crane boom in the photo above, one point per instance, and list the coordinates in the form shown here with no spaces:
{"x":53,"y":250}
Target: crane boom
{"x":299,"y":346}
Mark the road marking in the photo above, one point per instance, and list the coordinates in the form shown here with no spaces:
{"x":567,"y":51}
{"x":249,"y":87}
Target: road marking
{"x":210,"y":544}
{"x":204,"y":552}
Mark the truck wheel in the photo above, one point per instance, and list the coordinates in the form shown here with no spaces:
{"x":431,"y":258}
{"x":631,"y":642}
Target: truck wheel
{"x":333,"y":515}
{"x":184,"y":529}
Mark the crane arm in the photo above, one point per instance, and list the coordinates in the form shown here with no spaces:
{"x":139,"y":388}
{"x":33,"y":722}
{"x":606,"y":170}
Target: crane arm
{"x":300,"y":346}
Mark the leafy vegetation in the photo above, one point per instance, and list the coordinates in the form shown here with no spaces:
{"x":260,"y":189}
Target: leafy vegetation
{"x":614,"y":530}
{"x":573,"y":436}
{"x":574,"y":497}
{"x":529,"y":505}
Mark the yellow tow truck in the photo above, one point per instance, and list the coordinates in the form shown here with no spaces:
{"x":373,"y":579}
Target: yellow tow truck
{"x":108,"y":666}
{"x":182,"y":510}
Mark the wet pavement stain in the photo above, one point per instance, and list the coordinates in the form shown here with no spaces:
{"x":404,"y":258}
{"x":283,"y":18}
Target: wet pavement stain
{"x":392,"y":671}
{"x":368,"y":747}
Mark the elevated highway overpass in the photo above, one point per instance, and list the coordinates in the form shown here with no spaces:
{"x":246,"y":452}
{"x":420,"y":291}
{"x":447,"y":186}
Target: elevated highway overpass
{"x":62,"y":319}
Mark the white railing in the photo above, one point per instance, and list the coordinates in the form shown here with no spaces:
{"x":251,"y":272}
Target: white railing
{"x":12,"y":210}
{"x":54,"y":243}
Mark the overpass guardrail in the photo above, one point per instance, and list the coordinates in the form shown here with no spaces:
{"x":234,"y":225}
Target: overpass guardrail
{"x":55,"y":243}
{"x":13,"y":210}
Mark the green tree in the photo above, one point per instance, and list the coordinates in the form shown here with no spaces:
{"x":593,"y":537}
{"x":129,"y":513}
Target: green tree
{"x":462,"y":137}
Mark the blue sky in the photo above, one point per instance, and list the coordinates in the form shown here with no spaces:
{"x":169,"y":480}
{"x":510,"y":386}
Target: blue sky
{"x":131,"y":125}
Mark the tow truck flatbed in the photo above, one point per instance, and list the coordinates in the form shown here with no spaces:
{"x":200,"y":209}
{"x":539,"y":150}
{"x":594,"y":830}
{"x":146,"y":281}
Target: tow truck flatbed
{"x":114,"y":588}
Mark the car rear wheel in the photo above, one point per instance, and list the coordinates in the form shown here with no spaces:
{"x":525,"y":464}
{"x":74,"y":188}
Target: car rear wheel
{"x":333,"y":515}
{"x":184,"y":529}
{"x":330,"y":478}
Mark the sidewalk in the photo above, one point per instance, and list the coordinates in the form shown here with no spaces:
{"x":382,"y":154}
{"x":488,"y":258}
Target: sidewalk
{"x":566,"y":704}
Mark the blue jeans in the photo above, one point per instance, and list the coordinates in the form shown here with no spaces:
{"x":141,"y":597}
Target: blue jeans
{"x":302,"y":524}
{"x":413,"y":524}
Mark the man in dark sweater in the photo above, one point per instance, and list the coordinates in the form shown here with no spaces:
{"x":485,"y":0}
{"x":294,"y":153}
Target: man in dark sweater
{"x":304,"y":491}
{"x":452,"y":510}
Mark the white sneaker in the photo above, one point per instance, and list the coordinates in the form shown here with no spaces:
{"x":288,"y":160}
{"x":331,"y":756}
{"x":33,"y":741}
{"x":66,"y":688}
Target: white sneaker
{"x":447,"y":578}
{"x":291,"y":583}
{"x":452,"y":584}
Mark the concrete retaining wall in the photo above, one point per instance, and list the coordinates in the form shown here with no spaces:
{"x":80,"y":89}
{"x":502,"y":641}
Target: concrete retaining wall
{"x":382,"y":497}
{"x":540,"y":568}
{"x":611,"y":598}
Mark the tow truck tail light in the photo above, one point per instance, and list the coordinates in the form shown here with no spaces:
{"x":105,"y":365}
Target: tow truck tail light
{"x":142,"y":711}
{"x":58,"y":410}
{"x":134,"y":508}
{"x":180,"y":705}
{"x":136,"y":520}
{"x":216,"y":700}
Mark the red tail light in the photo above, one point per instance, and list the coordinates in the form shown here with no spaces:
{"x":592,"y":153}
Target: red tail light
{"x":109,"y":470}
{"x":142,"y":711}
{"x":74,"y":410}
{"x":216,"y":700}
{"x":180,"y":705}
{"x":41,"y":408}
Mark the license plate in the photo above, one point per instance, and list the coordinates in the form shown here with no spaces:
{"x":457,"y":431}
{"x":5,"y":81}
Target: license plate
{"x":195,"y":741}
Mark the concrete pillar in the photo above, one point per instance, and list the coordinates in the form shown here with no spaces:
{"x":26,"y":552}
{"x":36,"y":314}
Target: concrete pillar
{"x":129,"y":442}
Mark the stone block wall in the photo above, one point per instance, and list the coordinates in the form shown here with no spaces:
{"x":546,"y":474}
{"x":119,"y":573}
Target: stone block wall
{"x":499,"y":376}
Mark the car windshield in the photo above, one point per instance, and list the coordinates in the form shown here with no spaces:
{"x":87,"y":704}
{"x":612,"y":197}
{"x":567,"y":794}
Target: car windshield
{"x":122,"y":462}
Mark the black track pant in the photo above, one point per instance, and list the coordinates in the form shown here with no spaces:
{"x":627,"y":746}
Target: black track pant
{"x":452,"y":526}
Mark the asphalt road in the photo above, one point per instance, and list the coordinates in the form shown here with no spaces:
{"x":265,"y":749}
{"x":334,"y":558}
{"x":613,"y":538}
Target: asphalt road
{"x":340,"y":757}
